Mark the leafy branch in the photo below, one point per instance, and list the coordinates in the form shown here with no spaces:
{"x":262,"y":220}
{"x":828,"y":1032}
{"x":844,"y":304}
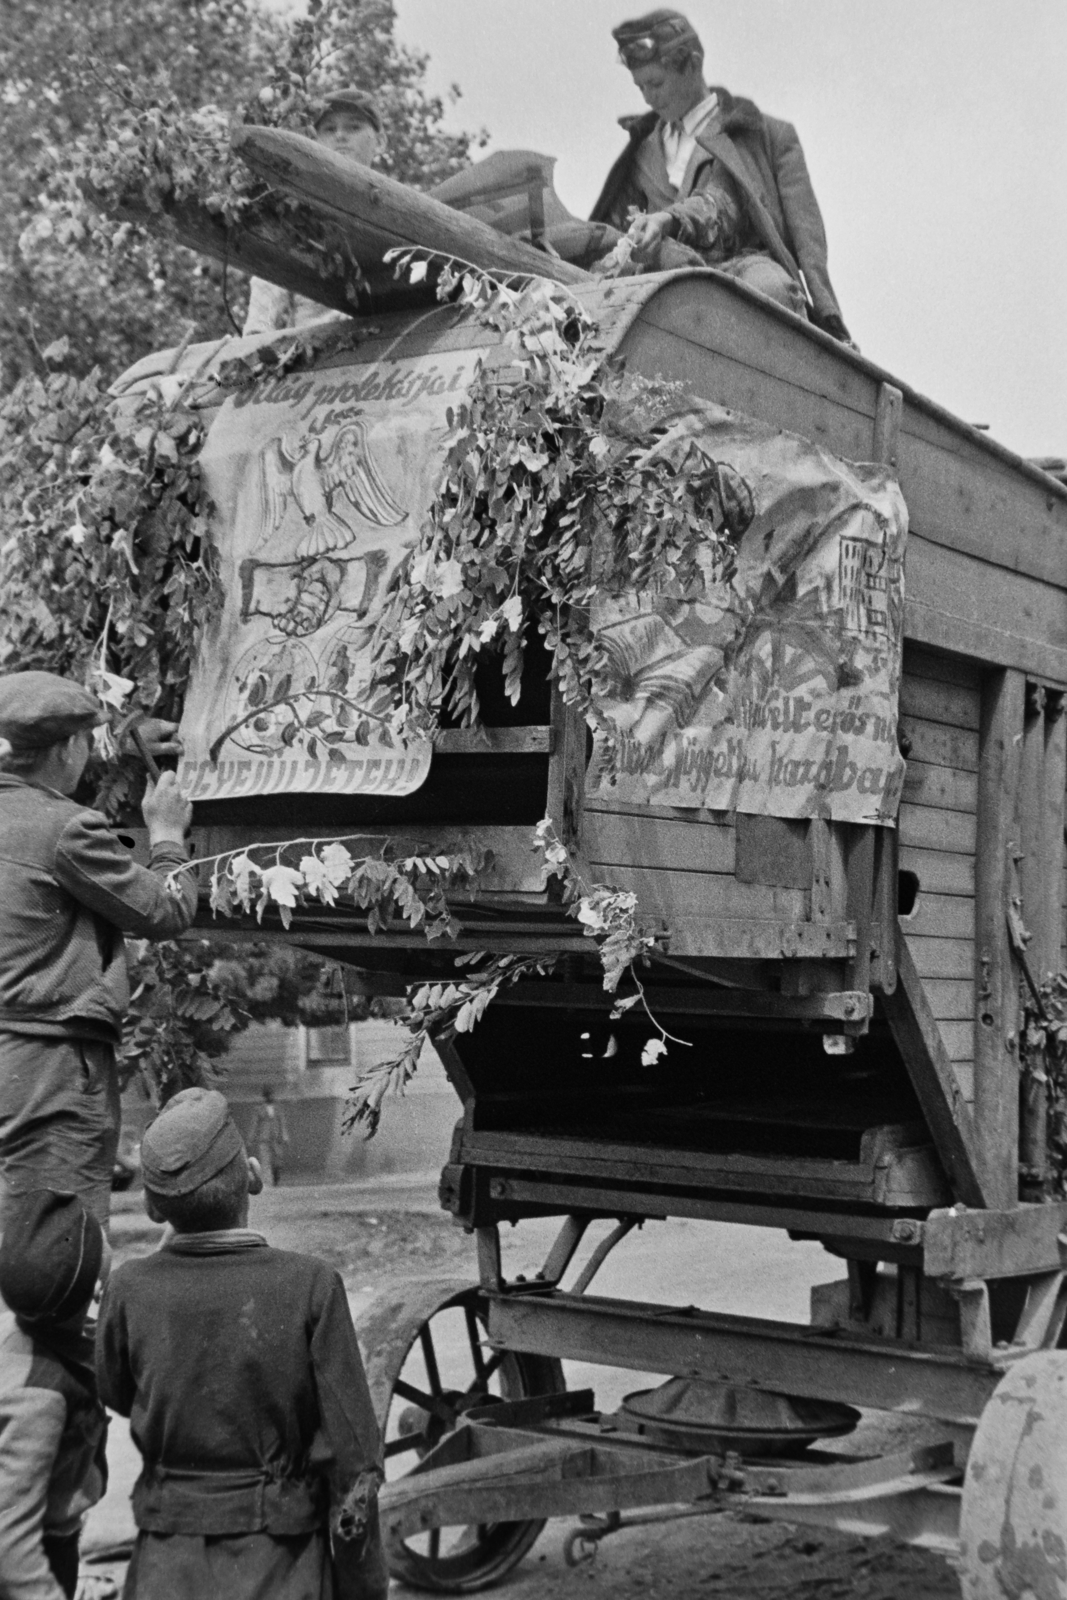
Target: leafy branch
{"x":104,"y":573}
{"x":558,"y":489}
{"x":440,"y":1011}
{"x":301,"y":724}
{"x":414,"y":887}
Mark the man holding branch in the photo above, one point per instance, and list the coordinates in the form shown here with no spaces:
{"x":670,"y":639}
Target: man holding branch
{"x":69,"y":891}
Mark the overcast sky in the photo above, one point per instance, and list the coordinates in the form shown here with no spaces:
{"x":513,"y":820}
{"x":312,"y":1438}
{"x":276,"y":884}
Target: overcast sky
{"x":936,"y":136}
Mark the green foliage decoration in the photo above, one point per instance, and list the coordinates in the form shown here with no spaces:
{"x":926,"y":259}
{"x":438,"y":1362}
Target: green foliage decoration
{"x":438,"y":1011}
{"x":136,"y":99}
{"x":1043,"y":1051}
{"x":553,"y":492}
{"x":189,"y":1000}
{"x":104,"y":575}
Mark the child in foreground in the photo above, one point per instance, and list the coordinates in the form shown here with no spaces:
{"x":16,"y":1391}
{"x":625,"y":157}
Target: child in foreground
{"x":238,"y":1367}
{"x":52,"y":1426}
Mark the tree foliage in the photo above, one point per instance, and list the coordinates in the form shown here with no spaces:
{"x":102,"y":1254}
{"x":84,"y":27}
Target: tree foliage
{"x":190,"y":999}
{"x":103,"y":574}
{"x":150,"y":88}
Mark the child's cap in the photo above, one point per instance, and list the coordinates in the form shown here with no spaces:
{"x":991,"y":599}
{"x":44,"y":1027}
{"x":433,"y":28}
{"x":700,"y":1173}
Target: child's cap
{"x":191,"y":1140}
{"x":50,"y":1256}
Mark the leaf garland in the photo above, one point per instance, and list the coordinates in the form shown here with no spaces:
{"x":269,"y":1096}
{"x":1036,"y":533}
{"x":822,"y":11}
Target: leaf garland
{"x":384,"y":884}
{"x":438,"y":1011}
{"x":104,"y":574}
{"x":552,"y":493}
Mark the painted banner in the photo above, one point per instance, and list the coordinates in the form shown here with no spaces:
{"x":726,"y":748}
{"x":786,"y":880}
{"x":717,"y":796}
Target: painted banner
{"x":319,"y":482}
{"x":774,"y":692}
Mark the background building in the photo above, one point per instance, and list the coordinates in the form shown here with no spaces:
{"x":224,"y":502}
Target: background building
{"x":311,"y":1071}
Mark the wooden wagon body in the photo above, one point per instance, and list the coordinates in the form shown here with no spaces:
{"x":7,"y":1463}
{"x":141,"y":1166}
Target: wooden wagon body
{"x":852,"y":994}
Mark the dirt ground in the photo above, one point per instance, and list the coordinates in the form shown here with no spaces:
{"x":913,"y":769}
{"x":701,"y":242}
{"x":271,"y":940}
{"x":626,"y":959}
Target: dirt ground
{"x":378,"y":1234}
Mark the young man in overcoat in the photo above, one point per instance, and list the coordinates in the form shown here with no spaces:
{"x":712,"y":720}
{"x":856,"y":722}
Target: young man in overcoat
{"x":715,"y":173}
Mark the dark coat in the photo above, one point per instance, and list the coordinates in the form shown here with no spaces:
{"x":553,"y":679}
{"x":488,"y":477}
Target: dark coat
{"x":238,"y":1367}
{"x":763,"y":156}
{"x":69,"y":890}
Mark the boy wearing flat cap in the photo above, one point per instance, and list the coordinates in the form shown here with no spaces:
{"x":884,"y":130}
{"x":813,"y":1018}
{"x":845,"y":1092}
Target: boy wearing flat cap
{"x":69,"y":891}
{"x":52,"y":1426}
{"x":238,"y":1367}
{"x":713,"y":172}
{"x":350,"y":125}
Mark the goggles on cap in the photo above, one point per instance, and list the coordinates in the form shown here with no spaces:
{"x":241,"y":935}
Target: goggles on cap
{"x":648,"y":47}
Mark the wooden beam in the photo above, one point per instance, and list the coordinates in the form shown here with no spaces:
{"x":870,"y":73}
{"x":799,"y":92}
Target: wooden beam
{"x":566,"y":772}
{"x":1033,"y":874}
{"x":995,"y":1244}
{"x":268,"y":249}
{"x":996,"y":1057}
{"x":529,"y":741}
{"x":888,"y":411}
{"x":918,"y":1038}
{"x":378,"y":214}
{"x":1047,"y":925}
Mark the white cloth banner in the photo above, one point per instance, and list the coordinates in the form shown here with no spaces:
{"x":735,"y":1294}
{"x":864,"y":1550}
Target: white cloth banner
{"x":319,"y":482}
{"x":774,"y":692}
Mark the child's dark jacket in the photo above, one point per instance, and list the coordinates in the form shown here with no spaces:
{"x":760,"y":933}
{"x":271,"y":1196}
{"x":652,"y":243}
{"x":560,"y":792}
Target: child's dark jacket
{"x":238,"y":1367}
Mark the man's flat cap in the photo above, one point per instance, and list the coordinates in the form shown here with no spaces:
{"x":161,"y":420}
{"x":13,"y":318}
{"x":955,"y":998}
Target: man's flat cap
{"x":191,"y":1140}
{"x":50,"y":1256}
{"x":38,"y":709}
{"x":356,"y":103}
{"x":656,"y":34}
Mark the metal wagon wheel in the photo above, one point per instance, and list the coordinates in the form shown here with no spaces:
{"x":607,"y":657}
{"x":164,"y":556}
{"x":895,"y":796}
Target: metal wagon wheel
{"x":428,"y":1363}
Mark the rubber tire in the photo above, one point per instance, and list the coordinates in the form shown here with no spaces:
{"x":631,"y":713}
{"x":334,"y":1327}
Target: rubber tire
{"x":1013,"y":1520}
{"x":510,"y":1541}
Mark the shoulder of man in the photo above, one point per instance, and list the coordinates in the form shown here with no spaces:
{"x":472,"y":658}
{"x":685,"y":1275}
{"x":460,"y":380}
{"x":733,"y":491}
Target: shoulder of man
{"x":740,"y":115}
{"x":41,"y":813}
{"x":639,"y":124}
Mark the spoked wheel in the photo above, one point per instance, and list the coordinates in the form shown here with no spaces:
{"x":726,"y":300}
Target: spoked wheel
{"x":428,"y":1363}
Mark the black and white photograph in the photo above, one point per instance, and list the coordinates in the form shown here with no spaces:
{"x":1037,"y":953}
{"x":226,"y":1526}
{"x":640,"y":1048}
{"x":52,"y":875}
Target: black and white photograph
{"x":533,"y":800}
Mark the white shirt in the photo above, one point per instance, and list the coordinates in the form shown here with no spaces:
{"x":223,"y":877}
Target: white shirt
{"x":680,"y":138}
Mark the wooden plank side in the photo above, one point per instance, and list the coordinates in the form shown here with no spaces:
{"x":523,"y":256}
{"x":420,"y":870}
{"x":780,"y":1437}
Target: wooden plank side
{"x":939,"y":871}
{"x":960,"y":496}
{"x":943,"y":786}
{"x":958,"y":489}
{"x":929,"y":828}
{"x":693,"y":815}
{"x":996,"y":1079}
{"x":1026,"y":651}
{"x":638,"y":841}
{"x":952,"y":704}
{"x":1004,"y":618}
{"x":920,"y":662}
{"x":963,"y":1072}
{"x":959,"y":1039}
{"x":940,"y":745}
{"x":941,"y":916}
{"x":1049,"y":921}
{"x":942,"y":958}
{"x":937,"y":1088}
{"x":655,"y":349}
{"x":951,"y":999}
{"x":667,"y":894}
